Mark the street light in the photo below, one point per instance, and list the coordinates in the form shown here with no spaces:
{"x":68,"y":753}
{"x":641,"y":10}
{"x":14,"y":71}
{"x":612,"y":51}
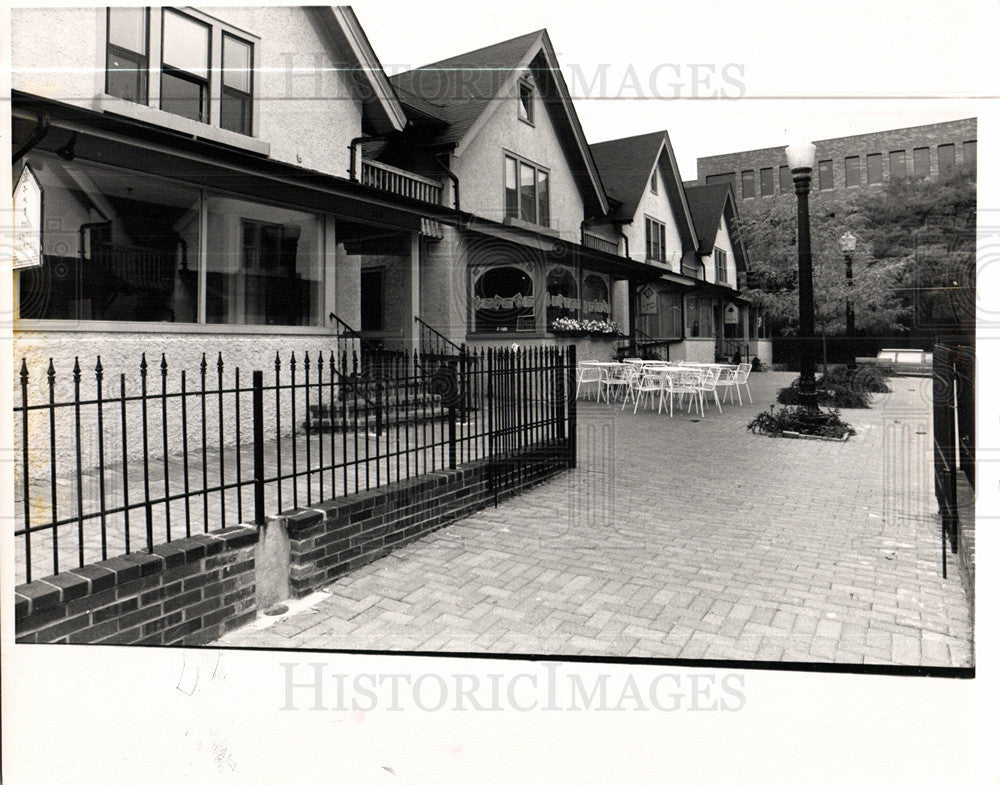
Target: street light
{"x":848,"y":242}
{"x":800,"y":160}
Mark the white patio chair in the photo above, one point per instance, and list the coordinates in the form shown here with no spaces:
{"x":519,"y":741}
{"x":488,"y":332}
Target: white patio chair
{"x":620,"y":379}
{"x":687,"y":381}
{"x":653,"y":381}
{"x":709,"y":378}
{"x":588,"y":374}
{"x":733,"y":378}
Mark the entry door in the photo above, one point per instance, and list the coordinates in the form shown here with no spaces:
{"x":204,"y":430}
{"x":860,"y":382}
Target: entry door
{"x":372,"y":301}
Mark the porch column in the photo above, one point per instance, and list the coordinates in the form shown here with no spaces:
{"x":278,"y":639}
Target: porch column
{"x":411,"y":334}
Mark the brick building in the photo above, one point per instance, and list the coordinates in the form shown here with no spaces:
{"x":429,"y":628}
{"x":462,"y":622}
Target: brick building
{"x":847,"y":163}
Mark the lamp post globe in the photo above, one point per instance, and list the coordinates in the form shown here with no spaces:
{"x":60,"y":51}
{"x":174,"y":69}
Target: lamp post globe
{"x":801,"y":155}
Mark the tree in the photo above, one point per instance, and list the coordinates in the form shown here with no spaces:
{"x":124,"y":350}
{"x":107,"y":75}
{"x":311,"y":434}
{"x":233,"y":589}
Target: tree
{"x":913,"y":264}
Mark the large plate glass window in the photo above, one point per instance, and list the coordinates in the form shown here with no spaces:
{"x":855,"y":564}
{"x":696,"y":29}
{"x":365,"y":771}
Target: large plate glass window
{"x":116,"y":247}
{"x":127,"y":72}
{"x":262,"y":264}
{"x":184,"y":80}
{"x":561,"y":295}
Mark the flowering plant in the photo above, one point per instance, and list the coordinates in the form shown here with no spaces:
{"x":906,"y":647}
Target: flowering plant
{"x":564,"y":324}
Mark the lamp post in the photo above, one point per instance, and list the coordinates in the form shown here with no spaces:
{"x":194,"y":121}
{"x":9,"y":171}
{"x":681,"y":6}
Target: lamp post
{"x":800,"y":160}
{"x":848,"y":242}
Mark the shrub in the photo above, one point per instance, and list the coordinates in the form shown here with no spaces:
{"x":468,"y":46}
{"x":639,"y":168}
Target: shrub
{"x":842,"y":388}
{"x":799,"y":420}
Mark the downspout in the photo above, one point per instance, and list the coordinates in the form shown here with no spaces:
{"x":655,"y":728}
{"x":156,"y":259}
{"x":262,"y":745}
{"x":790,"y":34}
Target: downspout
{"x":452,"y":176}
{"x":353,"y":171}
{"x":37,"y":134}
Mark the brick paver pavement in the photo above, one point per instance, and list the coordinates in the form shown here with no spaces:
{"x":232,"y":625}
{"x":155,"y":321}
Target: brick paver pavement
{"x":681,"y":537}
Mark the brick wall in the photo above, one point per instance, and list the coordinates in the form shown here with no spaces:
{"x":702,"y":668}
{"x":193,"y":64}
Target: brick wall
{"x":336,"y":537}
{"x":956,"y":132}
{"x":187,"y":592}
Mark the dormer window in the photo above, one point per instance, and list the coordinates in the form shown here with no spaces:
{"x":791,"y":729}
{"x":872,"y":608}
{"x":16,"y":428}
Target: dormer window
{"x":526,"y":102}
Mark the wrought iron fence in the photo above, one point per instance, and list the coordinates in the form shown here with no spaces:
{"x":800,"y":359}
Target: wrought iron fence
{"x":121,"y":465}
{"x":954,"y":434}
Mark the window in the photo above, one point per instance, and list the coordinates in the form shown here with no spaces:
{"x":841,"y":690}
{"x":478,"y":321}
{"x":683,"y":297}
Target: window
{"x":946,"y":157}
{"x":123,"y":246}
{"x":526,"y":102}
{"x":596,"y":298}
{"x":826,"y":175}
{"x":785,"y":179}
{"x":721,"y":266}
{"x":897,"y":165}
{"x":874,"y":165}
{"x":921,"y":162}
{"x":526,"y":192}
{"x":262,"y":265}
{"x":654,"y":184}
{"x":656,"y":241}
{"x":236,"y":113}
{"x":658,"y":312}
{"x":205,"y":66}
{"x":747,"y":178}
{"x":728,"y":177}
{"x":969,"y":153}
{"x":127,"y":73}
{"x":852,"y":171}
{"x":699,"y":317}
{"x":561,"y":298}
{"x":766,"y":181}
{"x":501,"y":297}
{"x":184,"y":79}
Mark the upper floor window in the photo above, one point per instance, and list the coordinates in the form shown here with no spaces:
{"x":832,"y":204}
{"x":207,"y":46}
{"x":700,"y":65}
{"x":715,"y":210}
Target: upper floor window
{"x":946,"y":157}
{"x":785,"y":179}
{"x":921,"y":162}
{"x":852,"y":171}
{"x":205,"y":66}
{"x":897,"y":164}
{"x":748,"y":190}
{"x":656,"y":241}
{"x":526,"y":191}
{"x":874,"y":164}
{"x":127,"y":74}
{"x":727,"y":177}
{"x":236,"y":113}
{"x":721,"y":266}
{"x":969,"y":153}
{"x":184,"y":85}
{"x":826,"y":175}
{"x":654,"y":186}
{"x":526,"y":102}
{"x":766,"y":181}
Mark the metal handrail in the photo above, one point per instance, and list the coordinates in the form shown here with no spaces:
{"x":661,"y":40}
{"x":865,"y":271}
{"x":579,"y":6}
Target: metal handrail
{"x":437,"y":334}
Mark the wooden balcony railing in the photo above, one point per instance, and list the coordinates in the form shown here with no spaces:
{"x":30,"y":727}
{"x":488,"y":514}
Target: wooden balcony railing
{"x":600,"y":244}
{"x":402,"y":183}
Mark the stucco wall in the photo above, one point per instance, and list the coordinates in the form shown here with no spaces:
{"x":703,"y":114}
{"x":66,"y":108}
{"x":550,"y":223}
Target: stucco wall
{"x":480,"y":168}
{"x":444,"y":285}
{"x":696,"y":350}
{"x":656,"y":206}
{"x":307,"y":112}
{"x":723,"y":243}
{"x":762,"y":350}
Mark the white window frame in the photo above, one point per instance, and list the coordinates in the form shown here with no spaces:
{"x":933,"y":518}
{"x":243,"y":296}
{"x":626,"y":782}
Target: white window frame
{"x":150,"y":111}
{"x":721,"y":266}
{"x":661,"y":228}
{"x":548,"y":194}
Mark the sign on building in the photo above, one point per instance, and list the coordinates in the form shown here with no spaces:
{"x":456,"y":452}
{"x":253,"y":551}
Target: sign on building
{"x":647,"y":301}
{"x":27,"y":250}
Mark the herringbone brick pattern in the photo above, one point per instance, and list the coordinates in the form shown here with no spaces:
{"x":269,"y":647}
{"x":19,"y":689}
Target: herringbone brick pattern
{"x":682,"y":537}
